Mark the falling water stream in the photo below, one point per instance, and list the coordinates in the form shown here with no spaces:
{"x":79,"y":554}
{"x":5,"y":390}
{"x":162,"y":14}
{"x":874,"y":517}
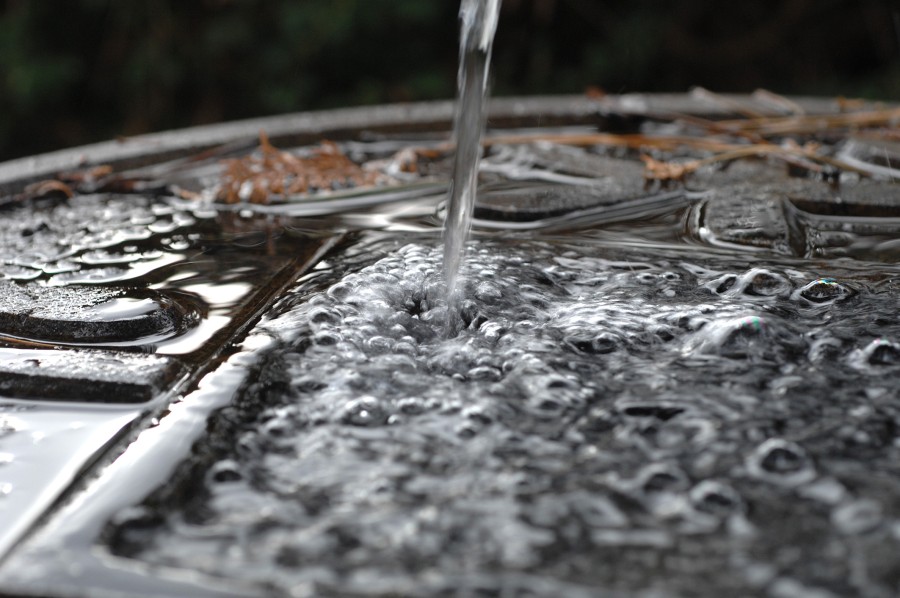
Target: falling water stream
{"x":478,"y":22}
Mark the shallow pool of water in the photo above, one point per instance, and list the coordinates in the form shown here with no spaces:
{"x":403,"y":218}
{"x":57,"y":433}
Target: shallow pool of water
{"x":610,"y":418}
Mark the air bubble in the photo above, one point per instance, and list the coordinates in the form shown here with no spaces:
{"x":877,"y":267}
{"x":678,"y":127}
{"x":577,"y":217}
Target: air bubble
{"x":327,"y":338}
{"x":277,"y":428}
{"x":747,"y":337}
{"x":322,"y":315}
{"x":660,"y":411}
{"x":364,"y":411}
{"x":225,"y":471}
{"x":598,"y":512}
{"x":478,"y":414}
{"x":405,"y":348}
{"x":341,"y":290}
{"x":881,"y":352}
{"x":824,"y":291}
{"x":757,"y":282}
{"x":404,"y":444}
{"x":488,"y":292}
{"x":715,"y":498}
{"x":722,"y":285}
{"x":857,"y":517}
{"x":781,"y":462}
{"x":824,"y":349}
{"x":484,"y":373}
{"x":657,"y":479}
{"x":412,"y":406}
{"x":599,"y":344}
{"x":764,"y":283}
{"x":379,"y":344}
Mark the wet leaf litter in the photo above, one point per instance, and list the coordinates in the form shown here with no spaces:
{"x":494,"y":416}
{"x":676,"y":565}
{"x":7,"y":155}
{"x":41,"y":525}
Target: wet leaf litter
{"x":816,"y":145}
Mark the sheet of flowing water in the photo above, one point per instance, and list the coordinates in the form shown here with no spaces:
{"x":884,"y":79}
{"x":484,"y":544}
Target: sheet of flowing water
{"x":478,"y":20}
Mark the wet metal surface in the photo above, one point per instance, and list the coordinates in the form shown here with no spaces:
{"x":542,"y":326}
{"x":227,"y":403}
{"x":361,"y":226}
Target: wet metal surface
{"x":86,"y":376}
{"x":662,"y":391}
{"x":111,"y":306}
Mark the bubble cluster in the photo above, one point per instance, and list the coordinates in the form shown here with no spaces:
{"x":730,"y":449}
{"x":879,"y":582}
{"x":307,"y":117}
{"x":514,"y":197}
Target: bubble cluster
{"x":596,"y":418}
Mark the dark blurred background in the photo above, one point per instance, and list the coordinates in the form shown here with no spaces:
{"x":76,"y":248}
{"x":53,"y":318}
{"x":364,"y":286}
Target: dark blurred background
{"x":86,"y":70}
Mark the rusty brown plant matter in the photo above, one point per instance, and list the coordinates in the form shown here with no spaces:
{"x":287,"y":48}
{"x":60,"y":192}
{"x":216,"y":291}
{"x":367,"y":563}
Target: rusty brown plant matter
{"x":754,"y":136}
{"x":257,"y":178}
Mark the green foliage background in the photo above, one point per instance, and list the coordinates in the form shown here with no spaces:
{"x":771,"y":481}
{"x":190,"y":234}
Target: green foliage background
{"x":85,"y":70}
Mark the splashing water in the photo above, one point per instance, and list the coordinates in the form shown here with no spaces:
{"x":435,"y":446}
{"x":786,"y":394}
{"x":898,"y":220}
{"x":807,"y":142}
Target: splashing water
{"x":478,"y":22}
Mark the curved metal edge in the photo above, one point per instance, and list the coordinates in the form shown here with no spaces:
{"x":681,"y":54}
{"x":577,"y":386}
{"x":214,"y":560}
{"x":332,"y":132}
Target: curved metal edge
{"x":298,"y":128}
{"x":309,"y":127}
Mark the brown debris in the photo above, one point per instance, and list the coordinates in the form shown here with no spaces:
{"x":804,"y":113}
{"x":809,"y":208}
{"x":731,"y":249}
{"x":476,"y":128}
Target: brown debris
{"x":86,"y":176}
{"x":666,"y":172}
{"x":50,"y":187}
{"x":807,"y":157}
{"x":595,"y":92}
{"x":277,"y":173}
{"x":791,"y":139}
